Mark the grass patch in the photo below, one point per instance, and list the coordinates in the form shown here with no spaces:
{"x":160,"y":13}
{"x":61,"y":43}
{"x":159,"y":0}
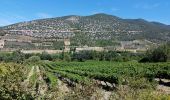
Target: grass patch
{"x":52,"y":79}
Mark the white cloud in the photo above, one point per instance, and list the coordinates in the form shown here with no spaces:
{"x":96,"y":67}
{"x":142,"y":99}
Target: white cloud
{"x":43,"y":15}
{"x":19,"y":17}
{"x":97,"y":12}
{"x":147,"y":6}
{"x":4,"y":22}
{"x":10,"y":18}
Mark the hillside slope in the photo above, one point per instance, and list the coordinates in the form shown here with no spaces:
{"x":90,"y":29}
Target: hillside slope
{"x":89,"y":29}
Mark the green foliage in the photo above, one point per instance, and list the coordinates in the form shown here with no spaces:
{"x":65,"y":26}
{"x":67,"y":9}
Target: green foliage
{"x":52,"y":79}
{"x":67,"y":57}
{"x":125,"y":93}
{"x":11,"y":76}
{"x":55,"y":57}
{"x":159,"y":54}
{"x":32,"y":81}
{"x":59,"y":45}
{"x":33,"y":59}
{"x":105,"y":56}
{"x":5,"y":56}
{"x":45,"y":56}
{"x":140,"y":83}
{"x":136,"y":79}
{"x":114,"y":72}
{"x":18,"y":56}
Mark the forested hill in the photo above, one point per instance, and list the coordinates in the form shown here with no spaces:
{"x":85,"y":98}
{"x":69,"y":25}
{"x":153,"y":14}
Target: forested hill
{"x":94,"y":27}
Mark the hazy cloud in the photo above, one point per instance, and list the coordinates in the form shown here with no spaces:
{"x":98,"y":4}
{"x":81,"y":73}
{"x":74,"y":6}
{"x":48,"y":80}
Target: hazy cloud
{"x":43,"y":15}
{"x":97,"y":11}
{"x":10,"y":18}
{"x":4,"y":22}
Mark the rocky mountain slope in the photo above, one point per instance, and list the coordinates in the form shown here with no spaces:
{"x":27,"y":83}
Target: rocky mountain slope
{"x":98,"y":27}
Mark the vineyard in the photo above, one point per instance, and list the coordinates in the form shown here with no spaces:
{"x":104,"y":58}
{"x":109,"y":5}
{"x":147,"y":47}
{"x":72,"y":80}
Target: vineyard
{"x":111,"y":76}
{"x":90,"y":80}
{"x":108,"y":71}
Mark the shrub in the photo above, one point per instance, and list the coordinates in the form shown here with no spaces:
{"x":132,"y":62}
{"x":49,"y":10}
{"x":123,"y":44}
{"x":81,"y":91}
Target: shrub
{"x":45,"y":56}
{"x":33,"y":59}
{"x":159,"y":54}
{"x":18,"y":56}
{"x":141,"y":83}
{"x":67,"y":57}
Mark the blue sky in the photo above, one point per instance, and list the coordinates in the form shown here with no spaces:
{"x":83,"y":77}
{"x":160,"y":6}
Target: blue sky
{"x":13,"y":11}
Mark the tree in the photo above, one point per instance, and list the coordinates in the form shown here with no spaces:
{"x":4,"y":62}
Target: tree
{"x":159,"y":54}
{"x":67,"y":57}
{"x":18,"y":56}
{"x":45,"y":56}
{"x":34,"y":59}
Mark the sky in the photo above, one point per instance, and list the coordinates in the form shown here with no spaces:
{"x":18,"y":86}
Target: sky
{"x":14,"y":11}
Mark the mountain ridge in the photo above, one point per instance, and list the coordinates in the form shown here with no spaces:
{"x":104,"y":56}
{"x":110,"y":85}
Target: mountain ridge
{"x":93,"y":27}
{"x":88,"y":16}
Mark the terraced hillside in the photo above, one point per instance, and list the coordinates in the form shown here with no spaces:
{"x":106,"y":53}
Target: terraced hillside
{"x":94,"y":28}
